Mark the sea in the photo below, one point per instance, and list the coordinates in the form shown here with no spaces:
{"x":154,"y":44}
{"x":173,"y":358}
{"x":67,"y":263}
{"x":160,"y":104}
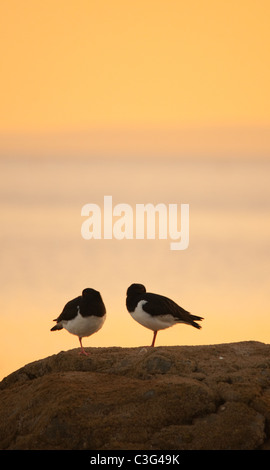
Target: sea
{"x":223,"y":274}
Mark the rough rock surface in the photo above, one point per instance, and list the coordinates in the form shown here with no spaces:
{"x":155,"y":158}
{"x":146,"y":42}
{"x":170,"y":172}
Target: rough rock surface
{"x":190,"y":397}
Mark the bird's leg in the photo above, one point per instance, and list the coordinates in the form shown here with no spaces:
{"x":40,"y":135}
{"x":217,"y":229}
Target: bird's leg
{"x":82,"y":350}
{"x":154,"y":339}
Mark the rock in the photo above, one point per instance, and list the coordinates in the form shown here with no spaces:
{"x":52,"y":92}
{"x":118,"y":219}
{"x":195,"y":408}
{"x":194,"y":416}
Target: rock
{"x":246,"y":431}
{"x":190,"y":397}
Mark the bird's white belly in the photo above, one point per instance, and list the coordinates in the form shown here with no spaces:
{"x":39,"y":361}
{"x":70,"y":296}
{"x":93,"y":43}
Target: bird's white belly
{"x":84,"y":326}
{"x":155,"y":323}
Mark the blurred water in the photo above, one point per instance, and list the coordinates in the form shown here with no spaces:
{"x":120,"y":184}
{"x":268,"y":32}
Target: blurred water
{"x":225,"y":271}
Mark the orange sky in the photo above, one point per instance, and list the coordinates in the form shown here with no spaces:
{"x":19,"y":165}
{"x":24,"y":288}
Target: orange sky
{"x":73,"y":65}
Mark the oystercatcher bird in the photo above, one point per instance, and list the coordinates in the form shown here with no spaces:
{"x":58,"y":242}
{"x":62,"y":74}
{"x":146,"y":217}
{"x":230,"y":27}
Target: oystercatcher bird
{"x":156,"y":312}
{"x":83,"y":315}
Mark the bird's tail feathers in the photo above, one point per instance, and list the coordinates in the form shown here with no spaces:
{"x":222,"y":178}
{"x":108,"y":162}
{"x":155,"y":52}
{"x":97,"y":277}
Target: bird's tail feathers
{"x":193,"y":323}
{"x":56,"y":327}
{"x":195,"y":317}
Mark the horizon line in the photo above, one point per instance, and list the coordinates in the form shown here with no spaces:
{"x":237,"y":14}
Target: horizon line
{"x":126,"y":141}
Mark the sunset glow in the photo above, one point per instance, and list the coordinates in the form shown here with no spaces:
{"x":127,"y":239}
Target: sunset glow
{"x":149,"y":102}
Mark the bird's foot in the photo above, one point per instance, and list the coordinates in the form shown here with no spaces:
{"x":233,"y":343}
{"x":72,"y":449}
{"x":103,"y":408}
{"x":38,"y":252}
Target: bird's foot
{"x":83,"y":353}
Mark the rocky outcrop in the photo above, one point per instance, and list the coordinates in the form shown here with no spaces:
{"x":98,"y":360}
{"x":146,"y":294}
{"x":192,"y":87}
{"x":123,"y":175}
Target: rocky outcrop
{"x":190,"y":397}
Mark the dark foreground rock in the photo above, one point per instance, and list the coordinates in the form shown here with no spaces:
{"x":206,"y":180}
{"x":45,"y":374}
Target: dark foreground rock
{"x":191,"y":397}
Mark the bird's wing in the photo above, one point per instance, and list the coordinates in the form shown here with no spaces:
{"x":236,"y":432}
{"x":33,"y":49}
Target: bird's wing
{"x":70,"y":309}
{"x":160,"y":305}
{"x":96,"y":307}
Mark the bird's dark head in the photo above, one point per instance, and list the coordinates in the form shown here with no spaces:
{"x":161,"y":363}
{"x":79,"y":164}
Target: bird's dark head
{"x":136,"y":289}
{"x":90,"y":293}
